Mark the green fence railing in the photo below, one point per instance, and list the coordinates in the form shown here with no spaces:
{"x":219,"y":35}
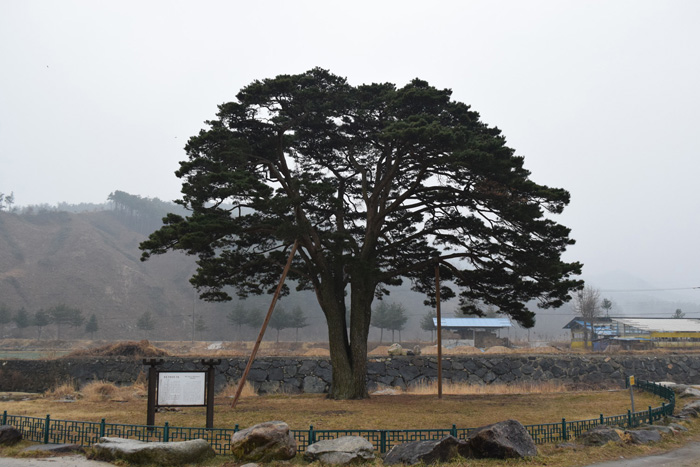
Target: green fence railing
{"x":49,"y":431}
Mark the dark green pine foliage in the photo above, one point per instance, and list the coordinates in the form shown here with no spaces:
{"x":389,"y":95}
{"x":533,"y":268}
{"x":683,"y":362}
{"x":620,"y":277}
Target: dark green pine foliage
{"x":380,"y":318}
{"x":5,"y":318}
{"x":279,"y":320}
{"x":297,"y":321}
{"x":41,"y":319}
{"x":238,"y":316}
{"x":91,"y":327}
{"x":22,"y":319}
{"x":62,"y":315}
{"x":146,"y":323}
{"x":377,"y":184}
{"x":427,"y":323}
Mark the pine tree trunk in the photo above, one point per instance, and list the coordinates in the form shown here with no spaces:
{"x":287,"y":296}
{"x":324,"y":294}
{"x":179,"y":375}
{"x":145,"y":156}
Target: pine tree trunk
{"x":348,"y":349}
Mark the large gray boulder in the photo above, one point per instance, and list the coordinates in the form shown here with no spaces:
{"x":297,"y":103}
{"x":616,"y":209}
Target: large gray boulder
{"x":139,"y":452}
{"x":599,"y":436}
{"x":340,"y":451}
{"x":690,"y":392}
{"x":9,"y":435}
{"x":643,"y":436}
{"x":265,"y":442}
{"x":664,"y":430}
{"x":690,"y":410}
{"x":502,"y":440}
{"x":427,"y":452}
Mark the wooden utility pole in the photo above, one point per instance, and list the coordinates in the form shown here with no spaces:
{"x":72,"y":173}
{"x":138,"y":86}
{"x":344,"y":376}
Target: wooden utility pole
{"x":439,"y":328}
{"x":241,"y":383}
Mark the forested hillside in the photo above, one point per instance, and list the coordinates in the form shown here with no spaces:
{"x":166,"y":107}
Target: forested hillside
{"x":89,"y":261}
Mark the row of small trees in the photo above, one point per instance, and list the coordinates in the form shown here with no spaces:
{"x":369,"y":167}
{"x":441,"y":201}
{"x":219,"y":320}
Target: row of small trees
{"x":280,"y":319}
{"x":389,"y":316}
{"x":59,"y":315}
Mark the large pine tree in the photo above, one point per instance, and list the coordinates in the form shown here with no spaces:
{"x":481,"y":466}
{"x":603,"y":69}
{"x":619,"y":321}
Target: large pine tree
{"x":377,"y":184}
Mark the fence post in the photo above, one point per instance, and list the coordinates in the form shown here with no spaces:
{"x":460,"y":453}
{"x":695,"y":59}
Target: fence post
{"x":166,"y":432}
{"x":235,"y":428}
{"x":382,"y":441}
{"x":602,"y":422}
{"x":453,"y":431}
{"x":312,"y":435}
{"x":4,"y":417}
{"x":629,"y":419}
{"x":663,"y":409}
{"x":47,"y":429}
{"x":564,"y":434}
{"x":102,"y":428}
{"x":651,"y":417}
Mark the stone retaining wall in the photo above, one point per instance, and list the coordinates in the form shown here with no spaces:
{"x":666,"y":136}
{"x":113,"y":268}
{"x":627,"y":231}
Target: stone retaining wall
{"x":313,"y":375}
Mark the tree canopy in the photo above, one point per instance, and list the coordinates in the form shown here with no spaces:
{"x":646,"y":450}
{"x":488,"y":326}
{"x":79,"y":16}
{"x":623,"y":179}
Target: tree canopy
{"x":377,"y":184}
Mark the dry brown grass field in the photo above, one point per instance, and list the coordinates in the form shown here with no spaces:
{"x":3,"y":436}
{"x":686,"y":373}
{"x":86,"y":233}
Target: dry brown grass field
{"x":464,"y":408}
{"x":420,"y":408}
{"x":548,"y":403}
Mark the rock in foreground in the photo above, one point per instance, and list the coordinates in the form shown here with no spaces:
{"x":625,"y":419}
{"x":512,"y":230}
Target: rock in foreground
{"x":340,"y":451}
{"x":138,"y":452}
{"x":9,"y":435}
{"x":427,"y":452}
{"x":599,"y":436}
{"x":502,"y":440}
{"x":265,"y":442}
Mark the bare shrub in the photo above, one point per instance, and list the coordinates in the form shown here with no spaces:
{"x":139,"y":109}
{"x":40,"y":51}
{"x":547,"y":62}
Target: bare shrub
{"x":121,"y":349}
{"x":99,"y":391}
{"x":102,"y":391}
{"x":65,"y":390}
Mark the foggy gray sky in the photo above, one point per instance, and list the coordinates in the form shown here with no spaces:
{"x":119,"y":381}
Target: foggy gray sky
{"x":601,"y":97}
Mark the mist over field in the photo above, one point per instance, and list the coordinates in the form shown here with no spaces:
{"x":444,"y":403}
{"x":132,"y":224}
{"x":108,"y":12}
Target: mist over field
{"x":86,"y":256}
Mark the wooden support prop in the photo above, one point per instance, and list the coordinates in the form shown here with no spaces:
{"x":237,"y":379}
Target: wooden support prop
{"x":241,"y":383}
{"x":439,"y":328}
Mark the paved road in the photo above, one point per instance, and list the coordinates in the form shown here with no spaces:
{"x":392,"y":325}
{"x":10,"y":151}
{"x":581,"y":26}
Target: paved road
{"x":687,"y":456}
{"x":62,"y":461}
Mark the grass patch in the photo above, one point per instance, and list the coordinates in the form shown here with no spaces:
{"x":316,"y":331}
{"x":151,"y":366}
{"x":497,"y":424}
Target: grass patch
{"x":121,"y":349}
{"x":230,"y":390}
{"x":64,"y":390}
{"x":544,"y":387}
{"x":103,"y":391}
{"x":404,"y":411}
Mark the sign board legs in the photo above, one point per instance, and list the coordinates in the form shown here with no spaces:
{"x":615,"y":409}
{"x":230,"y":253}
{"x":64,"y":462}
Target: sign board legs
{"x":152,"y":382}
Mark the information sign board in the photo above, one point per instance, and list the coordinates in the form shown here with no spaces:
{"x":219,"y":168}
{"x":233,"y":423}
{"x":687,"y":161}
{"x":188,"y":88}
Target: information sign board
{"x":181,"y":388}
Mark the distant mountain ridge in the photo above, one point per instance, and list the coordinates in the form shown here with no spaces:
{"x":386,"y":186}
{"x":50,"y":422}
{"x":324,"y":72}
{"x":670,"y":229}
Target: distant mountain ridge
{"x":90,"y":261}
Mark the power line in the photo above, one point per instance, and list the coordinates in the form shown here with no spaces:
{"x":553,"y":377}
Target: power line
{"x":649,"y":290}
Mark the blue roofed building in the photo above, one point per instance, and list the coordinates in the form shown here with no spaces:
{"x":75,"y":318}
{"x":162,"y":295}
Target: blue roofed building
{"x":478,"y":332}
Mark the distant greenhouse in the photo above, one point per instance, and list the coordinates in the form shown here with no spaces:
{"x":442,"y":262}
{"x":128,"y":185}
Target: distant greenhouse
{"x":630,"y":332}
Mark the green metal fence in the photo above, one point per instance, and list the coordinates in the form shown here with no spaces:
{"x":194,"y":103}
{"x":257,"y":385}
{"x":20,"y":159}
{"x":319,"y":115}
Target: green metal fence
{"x":48,"y":431}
